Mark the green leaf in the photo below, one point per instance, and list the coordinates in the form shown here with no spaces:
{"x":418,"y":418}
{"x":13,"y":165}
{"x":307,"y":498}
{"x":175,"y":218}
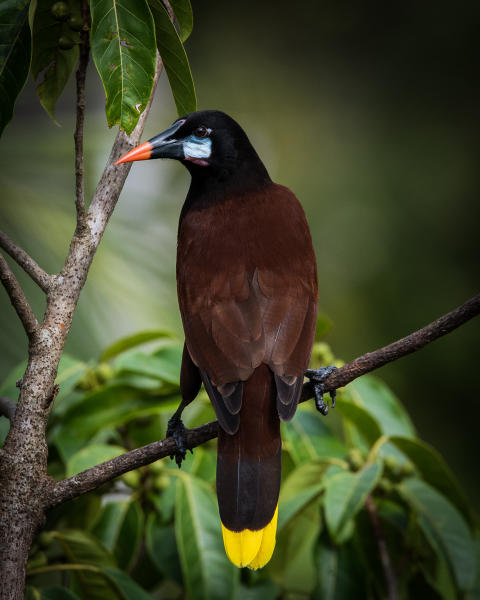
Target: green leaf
{"x":265,"y":590}
{"x":49,"y":593}
{"x":161,"y":367}
{"x":129,"y":537}
{"x":70,"y":371}
{"x":207,"y":572}
{"x":375,"y":397}
{"x":300,"y":488}
{"x":184,"y":16}
{"x":444,"y":527}
{"x":292,"y":563}
{"x":435,"y":471}
{"x":174,"y":59}
{"x":162,"y":548}
{"x":307,"y":437}
{"x":81,"y":547}
{"x":132,"y":341}
{"x":124,"y":52}
{"x":106,"y":527}
{"x":474,"y":593}
{"x":125,"y":585}
{"x":360,"y":418}
{"x":345,"y":495}
{"x":15,"y":55}
{"x":57,"y":65}
{"x":338,"y":572}
{"x":90,"y":456}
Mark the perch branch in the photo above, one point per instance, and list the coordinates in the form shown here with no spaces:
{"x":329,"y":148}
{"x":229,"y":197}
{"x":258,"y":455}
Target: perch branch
{"x":411,"y":343}
{"x":7,"y":407}
{"x":17,"y":298}
{"x":92,"y":478}
{"x":78,"y":136}
{"x":39,"y":276}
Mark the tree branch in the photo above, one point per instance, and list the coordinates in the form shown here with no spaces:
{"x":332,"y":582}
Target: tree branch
{"x":411,"y":343}
{"x":39,"y":276}
{"x":92,"y":478}
{"x":17,"y":298}
{"x":78,"y":136}
{"x":7,"y":407}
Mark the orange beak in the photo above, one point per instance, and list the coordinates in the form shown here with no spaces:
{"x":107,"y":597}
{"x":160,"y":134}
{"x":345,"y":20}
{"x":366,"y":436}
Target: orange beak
{"x":142,"y":152}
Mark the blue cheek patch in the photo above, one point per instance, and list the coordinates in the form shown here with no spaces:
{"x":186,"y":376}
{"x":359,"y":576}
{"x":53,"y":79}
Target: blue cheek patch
{"x":194,"y":147}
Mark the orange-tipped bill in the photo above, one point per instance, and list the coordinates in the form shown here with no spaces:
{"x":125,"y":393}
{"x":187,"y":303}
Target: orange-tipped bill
{"x":163,"y":145}
{"x":142,"y":152}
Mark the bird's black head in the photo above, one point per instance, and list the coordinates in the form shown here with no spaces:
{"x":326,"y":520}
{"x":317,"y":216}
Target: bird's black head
{"x":212,"y":146}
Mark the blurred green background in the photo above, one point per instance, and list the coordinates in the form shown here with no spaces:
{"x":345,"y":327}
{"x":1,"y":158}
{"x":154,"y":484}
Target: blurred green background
{"x":369,"y":112}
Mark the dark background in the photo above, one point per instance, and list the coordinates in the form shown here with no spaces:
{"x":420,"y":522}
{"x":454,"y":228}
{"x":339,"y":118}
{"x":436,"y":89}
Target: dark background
{"x":369,"y":112}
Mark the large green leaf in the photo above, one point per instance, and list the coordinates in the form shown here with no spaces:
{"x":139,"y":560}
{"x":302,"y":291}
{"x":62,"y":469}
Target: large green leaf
{"x":162,"y":367}
{"x":124,"y":51}
{"x":207,"y":572}
{"x":119,"y":527}
{"x":292,"y":565}
{"x":339,"y":575}
{"x":82,"y":548}
{"x":444,"y":527}
{"x":299,"y":489}
{"x":375,"y":397}
{"x":125,"y":585}
{"x":15,"y":54}
{"x":106,"y":527}
{"x":435,"y":471}
{"x":184,"y":15}
{"x":361,"y":418}
{"x":56,"y":64}
{"x":70,"y":371}
{"x":90,"y":456}
{"x":126,"y":343}
{"x":129,"y":537}
{"x":345,"y":495}
{"x":307,"y":437}
{"x":175,"y":60}
{"x":162,"y":547}
{"x":49,"y":593}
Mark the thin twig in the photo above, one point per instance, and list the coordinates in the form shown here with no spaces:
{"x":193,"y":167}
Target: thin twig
{"x":78,"y":136}
{"x":39,"y":276}
{"x":92,"y":478}
{"x":389,"y":573}
{"x":7,"y":407}
{"x":17,"y":298}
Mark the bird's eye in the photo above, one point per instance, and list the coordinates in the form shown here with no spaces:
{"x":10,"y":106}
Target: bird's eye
{"x":201,"y":132}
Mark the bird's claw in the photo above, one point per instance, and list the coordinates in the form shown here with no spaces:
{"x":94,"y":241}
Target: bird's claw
{"x":178,"y":431}
{"x":317,"y":377}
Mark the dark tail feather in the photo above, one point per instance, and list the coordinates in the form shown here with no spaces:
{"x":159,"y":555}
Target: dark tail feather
{"x":249,"y":470}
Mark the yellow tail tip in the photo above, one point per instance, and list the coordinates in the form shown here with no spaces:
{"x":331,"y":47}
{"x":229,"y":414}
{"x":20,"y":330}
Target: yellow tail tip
{"x":252,"y":549}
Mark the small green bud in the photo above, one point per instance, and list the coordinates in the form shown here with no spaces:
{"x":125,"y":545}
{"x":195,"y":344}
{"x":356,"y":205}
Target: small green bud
{"x":60,"y":11}
{"x":132,"y":479}
{"x":75,"y":22}
{"x":65,"y":43}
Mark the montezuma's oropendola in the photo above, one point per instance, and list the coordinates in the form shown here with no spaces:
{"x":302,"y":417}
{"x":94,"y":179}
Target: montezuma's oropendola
{"x":247,"y":289}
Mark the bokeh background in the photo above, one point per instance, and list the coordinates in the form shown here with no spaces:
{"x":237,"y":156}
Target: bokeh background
{"x":370,"y":113}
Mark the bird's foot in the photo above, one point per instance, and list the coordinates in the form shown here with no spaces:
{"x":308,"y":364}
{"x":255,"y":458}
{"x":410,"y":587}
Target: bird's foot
{"x":317,"y":377}
{"x":178,"y":431}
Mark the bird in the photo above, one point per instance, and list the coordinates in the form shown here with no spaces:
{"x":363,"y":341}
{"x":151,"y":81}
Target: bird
{"x":248,"y":295}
